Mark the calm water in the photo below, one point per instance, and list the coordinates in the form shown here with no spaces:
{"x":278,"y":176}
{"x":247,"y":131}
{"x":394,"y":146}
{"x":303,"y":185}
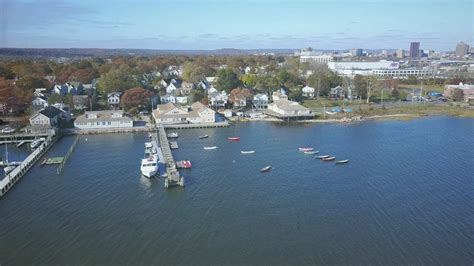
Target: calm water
{"x":407,"y":196}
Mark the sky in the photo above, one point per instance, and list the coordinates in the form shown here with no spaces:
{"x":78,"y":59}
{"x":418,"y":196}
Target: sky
{"x":241,"y":24}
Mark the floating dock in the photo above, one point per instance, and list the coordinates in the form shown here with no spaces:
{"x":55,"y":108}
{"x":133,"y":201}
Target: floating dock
{"x":174,"y":145}
{"x":173,"y":178}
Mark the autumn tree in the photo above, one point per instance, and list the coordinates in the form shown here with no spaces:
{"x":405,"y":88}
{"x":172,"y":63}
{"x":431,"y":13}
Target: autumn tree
{"x":119,"y":79}
{"x":457,"y":95}
{"x":136,"y":97}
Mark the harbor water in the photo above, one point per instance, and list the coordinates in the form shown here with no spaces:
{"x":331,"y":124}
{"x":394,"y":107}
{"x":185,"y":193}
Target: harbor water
{"x":405,"y":197}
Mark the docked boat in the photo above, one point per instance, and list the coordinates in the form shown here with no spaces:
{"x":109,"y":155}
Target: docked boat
{"x":148,"y":145}
{"x":329,"y":158}
{"x":210,"y":148}
{"x":322,"y":156}
{"x":233,"y":138}
{"x":186,"y":164}
{"x":150,"y":136}
{"x":342,"y":161}
{"x":36,"y":143}
{"x":172,"y":135}
{"x":266,"y":169}
{"x":305,"y":149}
{"x":247,"y":152}
{"x":8,"y":169}
{"x":149,"y":166}
{"x":204,"y":137}
{"x":310,"y":152}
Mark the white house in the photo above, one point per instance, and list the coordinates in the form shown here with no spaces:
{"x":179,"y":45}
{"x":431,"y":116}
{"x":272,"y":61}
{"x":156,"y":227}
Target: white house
{"x":113,"y":99}
{"x":48,"y":117}
{"x":168,"y":98}
{"x":260,"y":100}
{"x":39,"y":103}
{"x":186,"y":88}
{"x":103,"y":119}
{"x":172,"y":114}
{"x":173,"y":86}
{"x":278,"y":95}
{"x":181,"y":99}
{"x":308,"y":91}
{"x":286,"y":108}
{"x":216,"y":98}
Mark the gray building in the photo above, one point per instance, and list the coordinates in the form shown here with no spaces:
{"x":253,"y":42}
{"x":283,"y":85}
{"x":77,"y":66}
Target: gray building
{"x":415,"y":50}
{"x":462,"y":49}
{"x":356,"y":52}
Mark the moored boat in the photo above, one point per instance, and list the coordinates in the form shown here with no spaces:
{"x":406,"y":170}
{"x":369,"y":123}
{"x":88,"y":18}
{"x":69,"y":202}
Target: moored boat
{"x":329,"y":158}
{"x":310,"y":152}
{"x":172,"y":135}
{"x":204,"y":137}
{"x":266,"y":169}
{"x":247,"y":152}
{"x":210,"y":148}
{"x":342,"y":161}
{"x":322,"y":156}
{"x":36,"y":143}
{"x":184,"y":164}
{"x":149,"y":166}
{"x":233,"y":138}
{"x":305,"y":149}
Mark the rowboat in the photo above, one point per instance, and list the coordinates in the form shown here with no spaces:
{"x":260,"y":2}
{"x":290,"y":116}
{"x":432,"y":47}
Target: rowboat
{"x":233,"y":138}
{"x":329,"y":158}
{"x":310,"y":152}
{"x":305,"y":149}
{"x":247,"y":152}
{"x":342,"y":161}
{"x":266,"y":169}
{"x":210,"y":148}
{"x":204,"y":137}
{"x":322,"y":156}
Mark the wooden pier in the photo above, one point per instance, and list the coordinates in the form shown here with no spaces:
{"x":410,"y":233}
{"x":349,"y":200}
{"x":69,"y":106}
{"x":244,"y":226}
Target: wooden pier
{"x":9,"y":180}
{"x":200,"y":125}
{"x":173,"y":178}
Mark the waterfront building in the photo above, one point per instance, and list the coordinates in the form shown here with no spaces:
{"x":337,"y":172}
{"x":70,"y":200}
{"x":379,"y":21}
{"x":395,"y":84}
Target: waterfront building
{"x":260,"y":100}
{"x":170,"y":113}
{"x":462,"y":49}
{"x":285,"y":108}
{"x":39,"y":103}
{"x":103,"y":119}
{"x":336,"y":93}
{"x":415,"y":50}
{"x":168,"y":98}
{"x":467,"y":90}
{"x":46,"y":118}
{"x":217,"y":99}
{"x":308,"y":91}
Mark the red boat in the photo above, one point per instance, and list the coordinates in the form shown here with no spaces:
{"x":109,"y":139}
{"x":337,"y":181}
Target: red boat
{"x":233,"y":138}
{"x":184,"y":164}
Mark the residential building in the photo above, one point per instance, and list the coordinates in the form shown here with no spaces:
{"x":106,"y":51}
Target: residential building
{"x":415,"y":50}
{"x":46,"y":118}
{"x":285,"y":108}
{"x":168,"y":98}
{"x":260,"y":100}
{"x":182,"y":100}
{"x":462,"y":49}
{"x":217,"y":99}
{"x":173,"y":86}
{"x":308,"y":91}
{"x":103,"y":119}
{"x":113,"y":99}
{"x":81,"y":102}
{"x":186,"y":88}
{"x":240,"y":97}
{"x":61,"y":89}
{"x":39,"y":103}
{"x":279,"y":95}
{"x":337,"y":93}
{"x":170,"y":113}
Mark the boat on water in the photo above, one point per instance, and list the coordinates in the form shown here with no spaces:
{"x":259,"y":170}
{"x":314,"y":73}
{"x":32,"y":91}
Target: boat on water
{"x":204,"y":137}
{"x":322,"y":156}
{"x":186,"y":164}
{"x":266,"y":169}
{"x":305,"y":149}
{"x":210,"y":148}
{"x":8,"y":169}
{"x":329,"y":158}
{"x":172,"y":135}
{"x":149,"y":166}
{"x":247,"y":152}
{"x":342,"y":161}
{"x":310,"y":152}
{"x":36,"y":143}
{"x":150,"y":135}
{"x":148,"y":145}
{"x":233,"y":138}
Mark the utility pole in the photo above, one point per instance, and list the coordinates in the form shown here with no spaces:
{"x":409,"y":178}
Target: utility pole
{"x":381,"y":99}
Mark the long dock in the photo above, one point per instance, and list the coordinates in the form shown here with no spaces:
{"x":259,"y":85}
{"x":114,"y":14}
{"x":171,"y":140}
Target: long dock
{"x":9,"y":180}
{"x":199,"y":125}
{"x":173,"y":178}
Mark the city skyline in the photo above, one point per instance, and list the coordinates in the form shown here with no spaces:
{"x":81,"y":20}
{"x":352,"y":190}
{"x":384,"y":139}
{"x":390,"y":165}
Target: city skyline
{"x":208,"y":24}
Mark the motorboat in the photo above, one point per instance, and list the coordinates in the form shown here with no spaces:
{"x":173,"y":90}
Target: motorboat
{"x":266,"y":169}
{"x":329,"y":158}
{"x":210,"y":148}
{"x":172,"y":135}
{"x":8,"y":130}
{"x":322,"y":156}
{"x":186,"y":164}
{"x":233,"y":138}
{"x":148,"y":145}
{"x":310,"y":152}
{"x":149,"y":166}
{"x":305,"y":149}
{"x":247,"y":152}
{"x":204,"y":137}
{"x":342,"y":161}
{"x":36,"y":143}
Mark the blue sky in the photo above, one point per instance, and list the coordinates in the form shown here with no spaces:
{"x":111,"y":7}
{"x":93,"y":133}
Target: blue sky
{"x":213,"y":24}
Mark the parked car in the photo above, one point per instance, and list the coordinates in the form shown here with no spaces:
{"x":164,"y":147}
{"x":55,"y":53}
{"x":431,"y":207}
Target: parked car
{"x":8,"y":130}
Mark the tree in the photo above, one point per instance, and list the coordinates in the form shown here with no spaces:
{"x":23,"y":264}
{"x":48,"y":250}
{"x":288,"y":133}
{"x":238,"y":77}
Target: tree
{"x":296,"y":94}
{"x":395,"y":93}
{"x":198,"y":95}
{"x":360,"y":86}
{"x":458,"y":95}
{"x":372,"y":85}
{"x":119,"y":79}
{"x":227,"y":80}
{"x":6,"y":73}
{"x":249,"y":80}
{"x":240,"y":93}
{"x":135,"y":97}
{"x":29,"y":83}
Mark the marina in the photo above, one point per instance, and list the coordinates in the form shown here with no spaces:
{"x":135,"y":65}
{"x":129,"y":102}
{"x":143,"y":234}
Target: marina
{"x":173,"y":177}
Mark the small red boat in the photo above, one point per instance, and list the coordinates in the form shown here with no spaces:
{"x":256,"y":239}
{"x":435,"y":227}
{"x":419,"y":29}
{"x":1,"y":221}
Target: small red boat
{"x":233,"y":138}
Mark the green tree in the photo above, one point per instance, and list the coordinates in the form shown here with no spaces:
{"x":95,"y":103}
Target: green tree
{"x":457,"y":95}
{"x":119,"y":79}
{"x":249,"y":80}
{"x":227,"y":80}
{"x":198,"y":95}
{"x":360,"y":85}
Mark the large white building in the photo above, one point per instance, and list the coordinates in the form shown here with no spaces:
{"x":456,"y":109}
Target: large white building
{"x":103,"y":119}
{"x":381,"y":68}
{"x":318,"y":59}
{"x":172,"y":114}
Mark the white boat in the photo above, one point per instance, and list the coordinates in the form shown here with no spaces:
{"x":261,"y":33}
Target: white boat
{"x":266,"y":169}
{"x":305,"y":149}
{"x":8,"y":169}
{"x":210,"y":148}
{"x":148,"y":145}
{"x":172,"y":135}
{"x":247,"y":152}
{"x":310,"y":152}
{"x":149,"y":166}
{"x":36,"y":143}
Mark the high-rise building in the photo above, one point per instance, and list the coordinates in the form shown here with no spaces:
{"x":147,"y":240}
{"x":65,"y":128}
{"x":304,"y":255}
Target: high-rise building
{"x":462,"y":49}
{"x":356,"y":52}
{"x":400,"y":53}
{"x":415,"y":50}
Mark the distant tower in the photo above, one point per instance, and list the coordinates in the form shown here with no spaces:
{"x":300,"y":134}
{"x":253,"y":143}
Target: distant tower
{"x":400,"y":53}
{"x":356,"y":52}
{"x":415,"y":50}
{"x":462,"y":49}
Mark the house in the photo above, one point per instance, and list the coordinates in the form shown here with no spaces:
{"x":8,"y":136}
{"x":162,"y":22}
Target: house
{"x":61,"y":89}
{"x":163,"y":83}
{"x":168,"y":98}
{"x":286,"y":108}
{"x":39,"y":103}
{"x":173,"y":86}
{"x":39,"y":92}
{"x":103,"y":119}
{"x":170,"y":113}
{"x":46,"y":118}
{"x":260,"y":100}
{"x":204,"y":84}
{"x":75,"y":88}
{"x":337,"y":93}
{"x":81,"y":102}
{"x":113,"y":99}
{"x":181,"y":99}
{"x":278,"y":95}
{"x":308,"y":91}
{"x":217,"y":99}
{"x":239,"y":97}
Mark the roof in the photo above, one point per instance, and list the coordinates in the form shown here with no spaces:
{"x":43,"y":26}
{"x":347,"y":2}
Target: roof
{"x":50,"y":111}
{"x":103,"y":116}
{"x":287,"y":105}
{"x":308,"y":88}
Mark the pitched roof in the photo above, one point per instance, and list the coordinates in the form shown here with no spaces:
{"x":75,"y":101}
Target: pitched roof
{"x":50,"y":111}
{"x":287,"y":105}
